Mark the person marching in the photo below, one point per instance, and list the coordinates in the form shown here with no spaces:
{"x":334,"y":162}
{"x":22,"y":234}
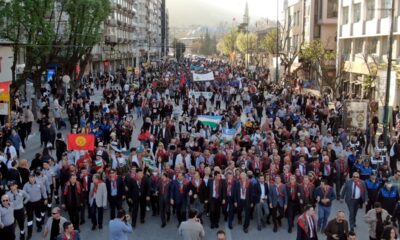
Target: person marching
{"x":37,"y":192}
{"x":324,"y":196}
{"x":278,"y":200}
{"x":19,"y":198}
{"x":164,"y":190}
{"x":293,"y":205}
{"x":7,"y":227}
{"x":306,"y":229}
{"x":243,"y":200}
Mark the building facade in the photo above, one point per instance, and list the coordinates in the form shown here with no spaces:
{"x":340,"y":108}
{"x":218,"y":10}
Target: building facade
{"x":363,"y":43}
{"x":306,"y":21}
{"x":164,"y":29}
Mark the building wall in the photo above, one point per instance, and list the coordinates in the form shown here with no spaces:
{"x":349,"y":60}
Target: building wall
{"x":363,"y":44}
{"x":6,"y":59}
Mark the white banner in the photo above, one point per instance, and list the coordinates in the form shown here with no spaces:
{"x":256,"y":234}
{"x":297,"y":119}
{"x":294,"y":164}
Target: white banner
{"x":198,"y":77}
{"x":357,"y":113}
{"x":206,"y":95}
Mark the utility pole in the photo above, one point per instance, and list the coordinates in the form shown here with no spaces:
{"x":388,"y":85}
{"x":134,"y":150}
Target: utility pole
{"x":386,"y":132}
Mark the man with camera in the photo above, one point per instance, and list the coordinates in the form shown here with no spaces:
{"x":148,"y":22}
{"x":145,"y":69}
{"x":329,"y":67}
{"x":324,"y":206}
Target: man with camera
{"x":377,"y":218}
{"x":119,"y":227}
{"x":192,"y":228}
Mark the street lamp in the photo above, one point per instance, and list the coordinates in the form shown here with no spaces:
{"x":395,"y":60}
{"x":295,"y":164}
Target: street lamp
{"x":388,"y":76}
{"x":277,"y":42}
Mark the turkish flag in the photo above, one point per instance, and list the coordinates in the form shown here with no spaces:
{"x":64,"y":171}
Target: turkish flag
{"x":81,"y":142}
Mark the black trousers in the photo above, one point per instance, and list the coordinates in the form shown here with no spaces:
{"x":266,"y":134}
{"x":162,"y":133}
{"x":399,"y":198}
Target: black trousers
{"x":292,"y":210}
{"x":243,"y":206}
{"x":115,"y":204}
{"x":277,"y":214}
{"x":135,"y":209}
{"x":34,"y":207}
{"x":73,"y":213}
{"x":8,"y":232}
{"x":96,"y":214}
{"x":180,"y":212}
{"x":165,"y":211}
{"x":155,"y":204}
{"x":85,"y":195}
{"x":19,"y":216}
{"x":229,"y":210}
{"x":215,"y":210}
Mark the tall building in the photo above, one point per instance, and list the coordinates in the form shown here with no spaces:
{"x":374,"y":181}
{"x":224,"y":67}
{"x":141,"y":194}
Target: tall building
{"x":115,"y":51}
{"x":363,"y":43}
{"x":308,"y":20}
{"x":246,"y":17}
{"x":164,"y":29}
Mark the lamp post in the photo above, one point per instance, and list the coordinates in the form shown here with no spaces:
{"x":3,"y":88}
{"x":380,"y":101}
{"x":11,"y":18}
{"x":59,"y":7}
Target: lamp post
{"x":386,"y":131}
{"x":277,"y":42}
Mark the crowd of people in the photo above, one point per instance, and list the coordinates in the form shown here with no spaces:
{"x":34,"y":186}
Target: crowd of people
{"x":288,"y":158}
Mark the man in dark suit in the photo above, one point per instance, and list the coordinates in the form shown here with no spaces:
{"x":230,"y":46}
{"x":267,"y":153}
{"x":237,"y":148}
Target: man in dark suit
{"x":260,"y":200}
{"x":293,"y":204}
{"x":354,"y":192}
{"x":179,"y":194}
{"x":338,"y":228}
{"x":306,"y":229}
{"x":229,"y":208}
{"x":164,"y":135}
{"x":278,"y":201}
{"x":155,"y":128}
{"x":164,"y":190}
{"x":217,"y":194}
{"x":138,"y":195}
{"x":243,"y":200}
{"x":115,"y":191}
{"x":342,"y":170}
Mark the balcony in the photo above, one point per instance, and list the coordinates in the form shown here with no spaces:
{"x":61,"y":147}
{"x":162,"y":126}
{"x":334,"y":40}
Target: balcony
{"x":371,"y":27}
{"x":346,"y":30}
{"x":109,"y":39}
{"x":358,"y":29}
{"x":112,"y":22}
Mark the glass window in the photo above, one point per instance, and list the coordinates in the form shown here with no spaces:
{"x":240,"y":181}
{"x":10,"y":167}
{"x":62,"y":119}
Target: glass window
{"x":384,"y":46}
{"x":371,"y":45}
{"x":332,"y":9}
{"x":370,"y":9}
{"x":358,"y":45}
{"x":345,"y":15}
{"x":356,"y":12}
{"x":386,"y":6}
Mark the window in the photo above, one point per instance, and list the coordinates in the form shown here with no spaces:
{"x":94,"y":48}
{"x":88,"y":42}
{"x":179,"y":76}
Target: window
{"x":358,"y":45}
{"x":370,"y":9}
{"x":356,"y":12}
{"x":345,"y":15}
{"x":332,"y":9}
{"x":384,"y":46}
{"x":386,"y":6}
{"x":320,"y":10}
{"x":371,"y":46}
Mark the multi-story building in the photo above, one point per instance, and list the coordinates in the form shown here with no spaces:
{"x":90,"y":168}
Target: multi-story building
{"x":115,"y":51}
{"x":363,"y":43}
{"x":308,"y":20}
{"x":164,"y":29}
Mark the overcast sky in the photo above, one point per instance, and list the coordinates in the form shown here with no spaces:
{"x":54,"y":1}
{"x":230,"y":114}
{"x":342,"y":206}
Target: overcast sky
{"x":211,"y":12}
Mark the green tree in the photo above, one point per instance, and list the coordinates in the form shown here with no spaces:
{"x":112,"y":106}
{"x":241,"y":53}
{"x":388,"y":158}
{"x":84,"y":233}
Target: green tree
{"x":269,"y":42}
{"x":227,"y":44}
{"x":206,"y":44}
{"x":246,"y":42}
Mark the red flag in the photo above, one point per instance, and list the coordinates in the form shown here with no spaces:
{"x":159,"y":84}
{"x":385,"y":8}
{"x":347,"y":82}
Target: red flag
{"x":81,"y":142}
{"x":4,"y":87}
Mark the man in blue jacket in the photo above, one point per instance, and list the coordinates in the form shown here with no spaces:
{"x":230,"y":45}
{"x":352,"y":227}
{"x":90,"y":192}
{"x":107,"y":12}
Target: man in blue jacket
{"x":324,"y":196}
{"x":119,"y":227}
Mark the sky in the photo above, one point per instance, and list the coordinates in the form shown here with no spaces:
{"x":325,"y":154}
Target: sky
{"x":211,"y":12}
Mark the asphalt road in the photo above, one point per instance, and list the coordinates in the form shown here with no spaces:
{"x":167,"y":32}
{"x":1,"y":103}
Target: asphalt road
{"x":151,"y":229}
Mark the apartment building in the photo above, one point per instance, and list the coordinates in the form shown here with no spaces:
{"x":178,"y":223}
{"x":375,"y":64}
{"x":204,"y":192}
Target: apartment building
{"x":308,"y":20}
{"x":363,"y":43}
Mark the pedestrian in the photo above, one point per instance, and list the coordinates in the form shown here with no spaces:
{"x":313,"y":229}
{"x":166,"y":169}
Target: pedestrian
{"x":373,"y":185}
{"x":97,"y":201}
{"x":54,"y":225}
{"x":244,"y":201}
{"x":389,"y":233}
{"x":72,"y":199}
{"x":115,"y":192}
{"x":260,"y":198}
{"x":221,"y":235}
{"x":278,"y":200}
{"x":179,"y":194}
{"x":293,"y":204}
{"x":324,"y":195}
{"x":119,"y":227}
{"x":376,"y":219}
{"x":306,"y":227}
{"x":19,"y":198}
{"x":69,"y":233}
{"x":354,"y":193}
{"x":338,"y":228}
{"x":164,"y":190}
{"x":37,"y":198}
{"x":7,"y":226}
{"x":192,"y":228}
{"x":388,"y":196}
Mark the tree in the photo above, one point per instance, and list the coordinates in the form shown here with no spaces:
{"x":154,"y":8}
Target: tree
{"x":180,"y":49}
{"x":196,"y":46}
{"x":227,"y":44}
{"x":246,"y":42}
{"x":269,"y":42}
{"x":53,"y":31}
{"x":317,"y":58}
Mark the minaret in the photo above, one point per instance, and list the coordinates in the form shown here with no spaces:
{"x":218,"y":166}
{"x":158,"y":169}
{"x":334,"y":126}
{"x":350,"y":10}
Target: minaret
{"x":246,"y":17}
